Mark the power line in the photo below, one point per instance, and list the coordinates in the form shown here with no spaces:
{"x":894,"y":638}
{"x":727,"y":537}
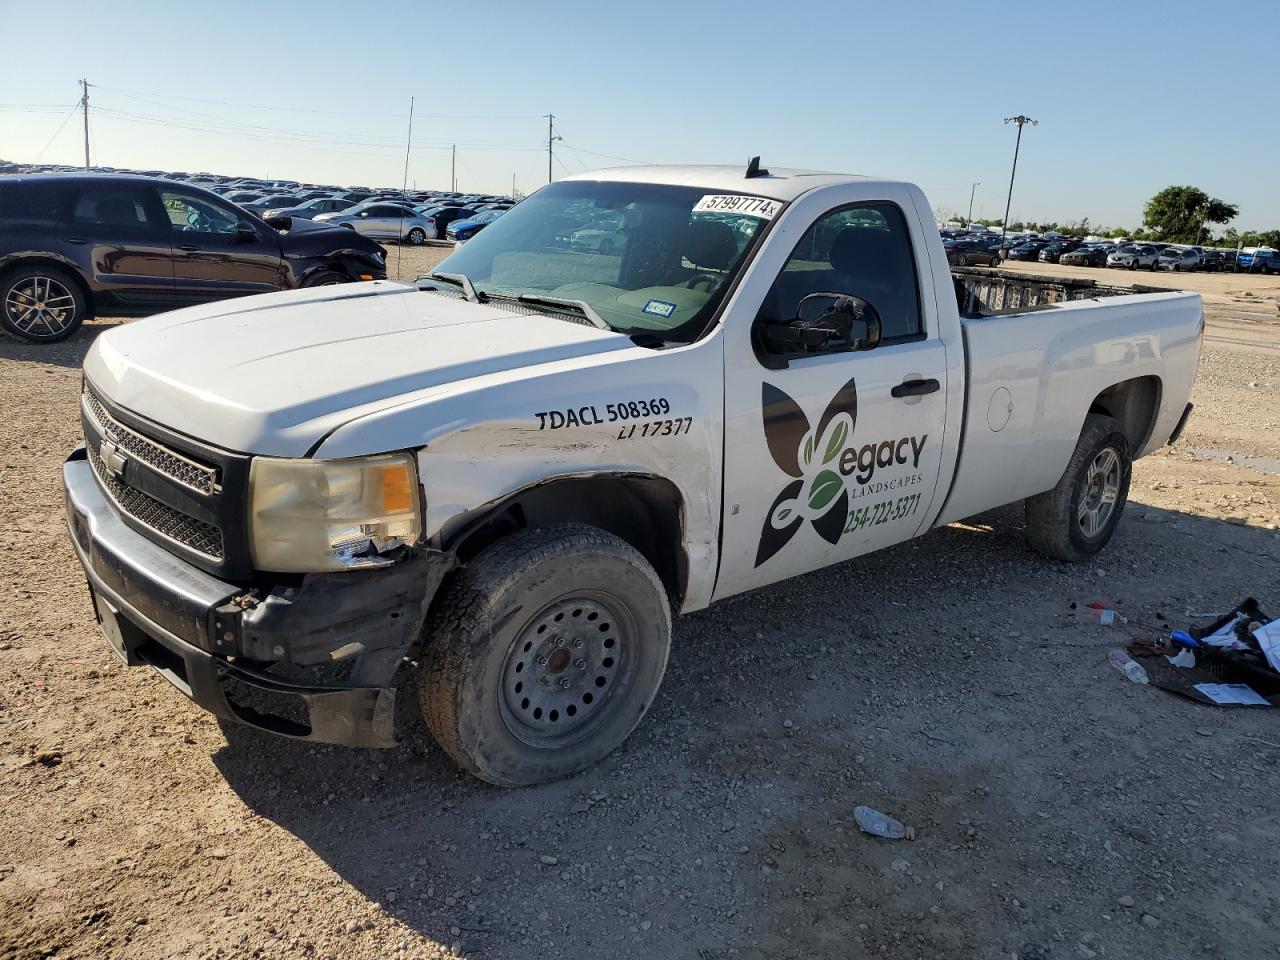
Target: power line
{"x":71,"y":113}
{"x":329,"y":141}
{"x":607,"y":156}
{"x":335,"y":113}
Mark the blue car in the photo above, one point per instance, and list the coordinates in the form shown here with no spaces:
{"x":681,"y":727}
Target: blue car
{"x":461,"y":231}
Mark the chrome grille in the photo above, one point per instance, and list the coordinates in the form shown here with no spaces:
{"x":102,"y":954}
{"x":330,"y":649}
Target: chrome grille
{"x":169,"y":523}
{"x":195,"y":476}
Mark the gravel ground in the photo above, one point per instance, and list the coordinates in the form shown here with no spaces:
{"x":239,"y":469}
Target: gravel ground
{"x":1060,"y":812}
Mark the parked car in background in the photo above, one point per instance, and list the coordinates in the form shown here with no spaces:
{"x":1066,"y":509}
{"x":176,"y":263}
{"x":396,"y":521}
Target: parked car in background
{"x":460,"y":231}
{"x":262,"y":207}
{"x":971,"y":253}
{"x":1215,"y":261}
{"x":75,"y":245}
{"x":1177,"y":259}
{"x":1258,"y":260}
{"x":1132,"y":256}
{"x":313,"y":208}
{"x":1052,"y":252}
{"x":1027,"y":250}
{"x":388,"y":221}
{"x":1088,"y":255}
{"x":442,"y":217}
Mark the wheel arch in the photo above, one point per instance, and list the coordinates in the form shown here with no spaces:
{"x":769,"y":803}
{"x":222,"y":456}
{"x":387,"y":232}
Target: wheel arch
{"x":1134,"y":405}
{"x":48,"y":260}
{"x":645,"y":510}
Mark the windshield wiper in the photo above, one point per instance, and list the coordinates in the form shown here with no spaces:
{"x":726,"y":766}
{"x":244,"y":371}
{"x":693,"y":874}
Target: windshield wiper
{"x":462,"y":280}
{"x":581,"y":306}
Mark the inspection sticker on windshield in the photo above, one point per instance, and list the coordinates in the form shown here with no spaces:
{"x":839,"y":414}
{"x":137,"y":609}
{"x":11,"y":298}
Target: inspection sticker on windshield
{"x":733,"y":203}
{"x":659,"y":308}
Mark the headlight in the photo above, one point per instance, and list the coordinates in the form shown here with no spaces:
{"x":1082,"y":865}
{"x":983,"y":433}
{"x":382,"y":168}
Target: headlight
{"x":310,"y":516}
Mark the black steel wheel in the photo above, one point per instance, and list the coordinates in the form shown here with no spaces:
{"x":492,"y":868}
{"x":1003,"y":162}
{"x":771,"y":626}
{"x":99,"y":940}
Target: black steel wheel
{"x":544,"y":653}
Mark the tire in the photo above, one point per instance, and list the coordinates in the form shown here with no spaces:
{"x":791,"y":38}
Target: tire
{"x":417,"y":236}
{"x":41,"y":304}
{"x":323,"y":278}
{"x":1069,"y":522}
{"x":513,"y":701}
{"x":1133,"y":264}
{"x":993,"y":262}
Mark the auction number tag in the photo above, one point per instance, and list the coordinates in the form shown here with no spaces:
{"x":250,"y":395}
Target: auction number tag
{"x":760,"y":207}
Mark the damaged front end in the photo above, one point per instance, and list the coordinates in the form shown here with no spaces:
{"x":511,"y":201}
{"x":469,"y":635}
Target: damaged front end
{"x":311,"y":657}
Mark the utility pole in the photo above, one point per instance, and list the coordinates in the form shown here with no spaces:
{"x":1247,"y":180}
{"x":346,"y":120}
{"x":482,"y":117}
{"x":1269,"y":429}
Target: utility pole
{"x":975,"y":186}
{"x":513,"y":186}
{"x":551,"y":139}
{"x":84,"y":104}
{"x":1019,"y":120}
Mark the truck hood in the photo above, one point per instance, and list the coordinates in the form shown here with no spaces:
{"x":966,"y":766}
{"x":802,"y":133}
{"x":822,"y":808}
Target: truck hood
{"x":274,"y":374}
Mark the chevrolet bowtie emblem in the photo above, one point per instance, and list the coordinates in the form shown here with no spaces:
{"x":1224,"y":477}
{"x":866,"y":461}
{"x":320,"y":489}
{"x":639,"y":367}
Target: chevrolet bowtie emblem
{"x":112,"y":459}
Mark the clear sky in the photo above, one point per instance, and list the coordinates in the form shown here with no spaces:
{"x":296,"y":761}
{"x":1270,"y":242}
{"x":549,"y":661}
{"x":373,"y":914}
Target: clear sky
{"x":1131,"y":97}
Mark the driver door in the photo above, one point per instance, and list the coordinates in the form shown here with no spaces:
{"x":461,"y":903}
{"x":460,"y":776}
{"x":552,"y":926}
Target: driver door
{"x":833,"y":447}
{"x":213,"y":258}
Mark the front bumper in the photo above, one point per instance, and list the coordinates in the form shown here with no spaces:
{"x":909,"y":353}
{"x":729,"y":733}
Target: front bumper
{"x":311,"y":661}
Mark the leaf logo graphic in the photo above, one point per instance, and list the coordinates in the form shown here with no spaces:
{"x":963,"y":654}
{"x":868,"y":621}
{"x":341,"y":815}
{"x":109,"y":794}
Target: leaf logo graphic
{"x":793,"y":443}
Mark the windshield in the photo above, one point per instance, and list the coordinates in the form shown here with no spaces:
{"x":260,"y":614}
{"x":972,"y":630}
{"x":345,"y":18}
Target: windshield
{"x":645,"y":257}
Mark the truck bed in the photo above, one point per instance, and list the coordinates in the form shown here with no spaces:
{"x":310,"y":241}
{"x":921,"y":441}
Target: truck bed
{"x":993,"y":293}
{"x":1032,"y":374}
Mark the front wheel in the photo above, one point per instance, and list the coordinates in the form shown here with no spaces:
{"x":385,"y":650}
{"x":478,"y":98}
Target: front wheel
{"x":544,"y":653}
{"x":324,"y":278}
{"x":1075,"y":519}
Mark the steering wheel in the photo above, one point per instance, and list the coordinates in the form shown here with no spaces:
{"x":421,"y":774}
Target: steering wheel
{"x":710,"y":279}
{"x":198,"y":221}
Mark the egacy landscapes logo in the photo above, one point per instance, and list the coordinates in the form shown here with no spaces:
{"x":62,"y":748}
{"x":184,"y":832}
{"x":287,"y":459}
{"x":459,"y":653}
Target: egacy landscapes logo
{"x":821,"y":459}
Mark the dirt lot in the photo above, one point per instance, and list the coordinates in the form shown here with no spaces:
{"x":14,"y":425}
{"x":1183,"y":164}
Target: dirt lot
{"x":1061,"y":812}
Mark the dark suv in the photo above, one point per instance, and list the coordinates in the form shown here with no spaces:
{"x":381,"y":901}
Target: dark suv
{"x":73,"y":245}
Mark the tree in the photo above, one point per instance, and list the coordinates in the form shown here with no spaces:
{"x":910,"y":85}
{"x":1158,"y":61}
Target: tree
{"x":1176,"y":214}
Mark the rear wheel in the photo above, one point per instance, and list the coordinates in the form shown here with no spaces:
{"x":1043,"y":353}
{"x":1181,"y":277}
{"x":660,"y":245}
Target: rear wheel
{"x":544,"y":653}
{"x":41,"y":304}
{"x":417,"y":236}
{"x":1075,"y":519}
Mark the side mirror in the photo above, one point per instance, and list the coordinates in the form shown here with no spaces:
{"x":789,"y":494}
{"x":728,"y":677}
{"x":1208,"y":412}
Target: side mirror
{"x":847,"y":324}
{"x":245,"y":230}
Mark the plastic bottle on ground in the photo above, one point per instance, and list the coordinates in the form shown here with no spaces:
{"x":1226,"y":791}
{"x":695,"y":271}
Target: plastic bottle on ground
{"x":1130,"y":667}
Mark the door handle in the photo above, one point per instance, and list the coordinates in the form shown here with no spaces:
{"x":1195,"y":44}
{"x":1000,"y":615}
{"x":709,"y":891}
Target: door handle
{"x":915,"y":388}
{"x":189,"y":247}
{"x":77,"y":240}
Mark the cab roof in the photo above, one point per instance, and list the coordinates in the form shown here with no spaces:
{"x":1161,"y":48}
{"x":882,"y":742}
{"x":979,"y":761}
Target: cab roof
{"x":776,"y":184}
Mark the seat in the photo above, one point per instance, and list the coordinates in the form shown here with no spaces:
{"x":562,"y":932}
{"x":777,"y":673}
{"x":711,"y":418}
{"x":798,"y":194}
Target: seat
{"x":115,"y":211}
{"x":709,"y":244}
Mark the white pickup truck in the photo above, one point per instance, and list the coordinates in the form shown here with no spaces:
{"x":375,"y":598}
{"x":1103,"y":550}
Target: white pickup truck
{"x":510,"y":475}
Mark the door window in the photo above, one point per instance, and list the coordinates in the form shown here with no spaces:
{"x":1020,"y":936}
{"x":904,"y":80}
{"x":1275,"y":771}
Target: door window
{"x":191,"y":214}
{"x":862,"y":251}
{"x":110,"y":206}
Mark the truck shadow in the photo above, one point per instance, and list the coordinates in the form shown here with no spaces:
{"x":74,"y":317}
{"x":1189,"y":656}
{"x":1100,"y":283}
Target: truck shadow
{"x":935,"y":678}
{"x":67,"y":353}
